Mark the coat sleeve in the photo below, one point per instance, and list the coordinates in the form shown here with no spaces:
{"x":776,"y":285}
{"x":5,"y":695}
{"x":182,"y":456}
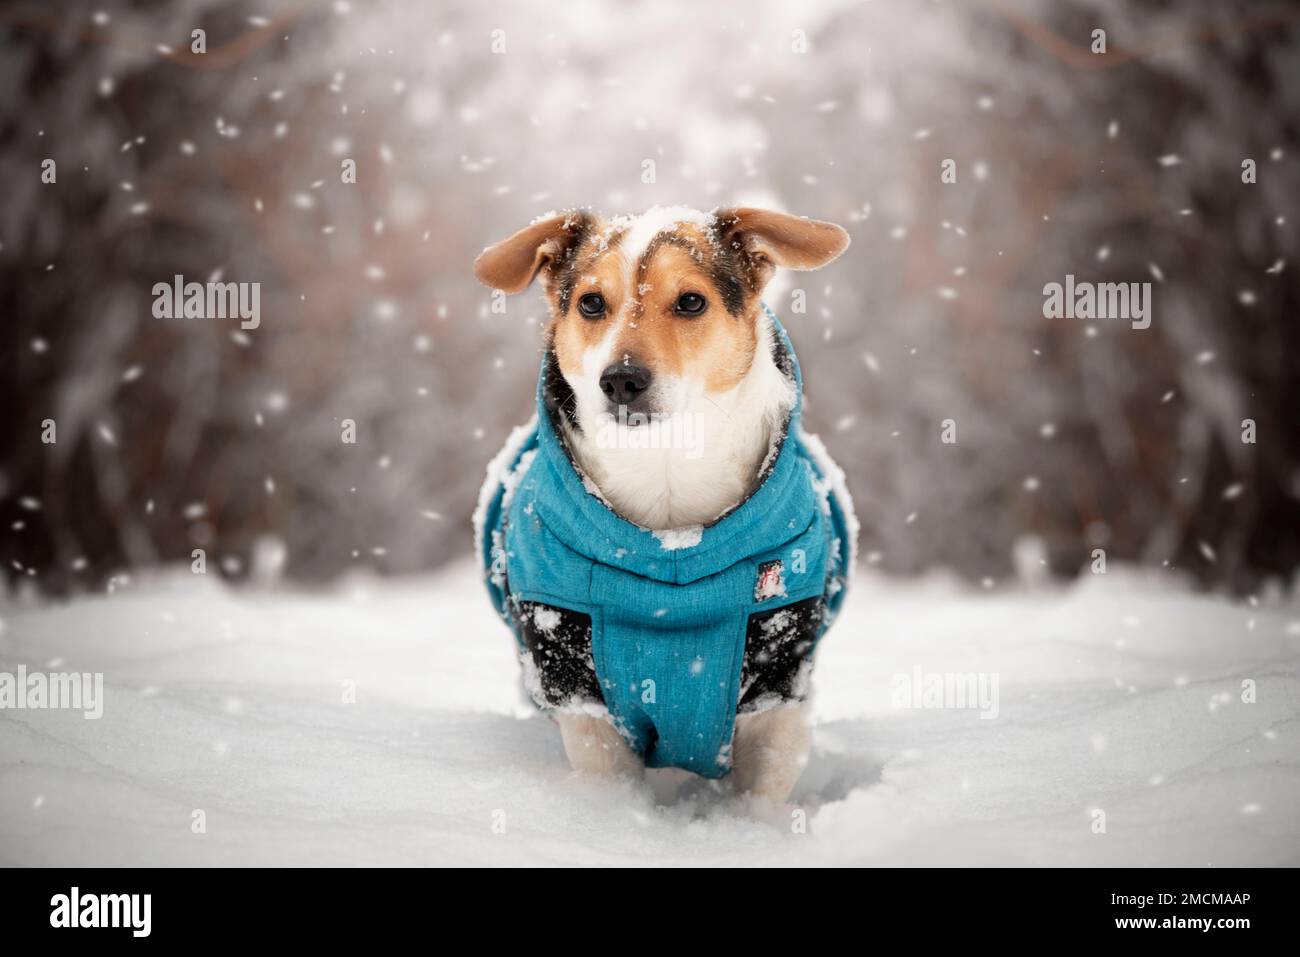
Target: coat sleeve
{"x":843,"y":524}
{"x":491,"y":515}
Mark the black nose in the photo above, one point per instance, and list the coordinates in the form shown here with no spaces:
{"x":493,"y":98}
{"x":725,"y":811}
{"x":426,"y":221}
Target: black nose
{"x":623,"y":383}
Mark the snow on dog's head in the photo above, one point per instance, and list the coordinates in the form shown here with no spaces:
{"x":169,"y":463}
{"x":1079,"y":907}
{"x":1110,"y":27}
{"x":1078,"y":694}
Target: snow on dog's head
{"x":657,"y":313}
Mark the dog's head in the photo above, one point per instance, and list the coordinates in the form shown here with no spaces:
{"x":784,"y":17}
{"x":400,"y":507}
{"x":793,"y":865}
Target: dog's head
{"x":650,"y":314}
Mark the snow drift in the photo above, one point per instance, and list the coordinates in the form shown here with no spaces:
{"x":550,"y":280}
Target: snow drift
{"x":381,"y":723}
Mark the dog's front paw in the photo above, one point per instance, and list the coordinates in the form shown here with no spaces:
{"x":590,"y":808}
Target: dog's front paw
{"x":781,"y":815}
{"x":594,"y":746}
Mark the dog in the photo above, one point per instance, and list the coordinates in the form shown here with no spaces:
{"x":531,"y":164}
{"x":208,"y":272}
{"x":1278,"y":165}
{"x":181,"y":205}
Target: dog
{"x":666,"y":542}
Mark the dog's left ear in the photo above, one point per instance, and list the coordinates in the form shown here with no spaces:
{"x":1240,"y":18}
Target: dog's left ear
{"x":769,"y":239}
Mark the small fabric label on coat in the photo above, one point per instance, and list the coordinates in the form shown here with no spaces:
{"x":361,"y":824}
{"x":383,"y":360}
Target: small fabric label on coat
{"x":771,"y":581}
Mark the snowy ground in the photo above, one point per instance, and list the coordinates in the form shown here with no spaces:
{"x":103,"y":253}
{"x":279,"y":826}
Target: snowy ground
{"x":1121,"y":693}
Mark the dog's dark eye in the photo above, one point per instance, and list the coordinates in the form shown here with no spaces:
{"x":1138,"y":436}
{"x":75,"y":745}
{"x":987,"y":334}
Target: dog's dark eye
{"x":690,"y":304}
{"x":592,"y":305}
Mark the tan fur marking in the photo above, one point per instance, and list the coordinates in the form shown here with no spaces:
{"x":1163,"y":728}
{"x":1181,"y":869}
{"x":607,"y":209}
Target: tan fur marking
{"x":599,"y":270}
{"x":715,"y":347}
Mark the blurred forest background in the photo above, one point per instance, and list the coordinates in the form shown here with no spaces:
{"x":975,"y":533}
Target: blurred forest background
{"x":468,"y":119}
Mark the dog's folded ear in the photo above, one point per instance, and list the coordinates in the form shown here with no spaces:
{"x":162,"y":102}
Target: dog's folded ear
{"x":512,"y":264}
{"x":768,"y":239}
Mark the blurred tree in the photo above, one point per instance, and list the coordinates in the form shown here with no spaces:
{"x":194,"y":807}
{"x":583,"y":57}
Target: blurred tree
{"x":467,"y":120}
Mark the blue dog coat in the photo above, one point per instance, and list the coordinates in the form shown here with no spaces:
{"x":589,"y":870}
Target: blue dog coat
{"x":673,"y":634}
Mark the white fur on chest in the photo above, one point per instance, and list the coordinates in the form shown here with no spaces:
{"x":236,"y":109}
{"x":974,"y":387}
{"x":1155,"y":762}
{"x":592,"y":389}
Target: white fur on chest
{"x":689,"y":467}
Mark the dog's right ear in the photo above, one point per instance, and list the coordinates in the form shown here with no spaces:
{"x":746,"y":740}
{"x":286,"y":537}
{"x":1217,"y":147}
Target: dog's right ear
{"x":512,"y":264}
